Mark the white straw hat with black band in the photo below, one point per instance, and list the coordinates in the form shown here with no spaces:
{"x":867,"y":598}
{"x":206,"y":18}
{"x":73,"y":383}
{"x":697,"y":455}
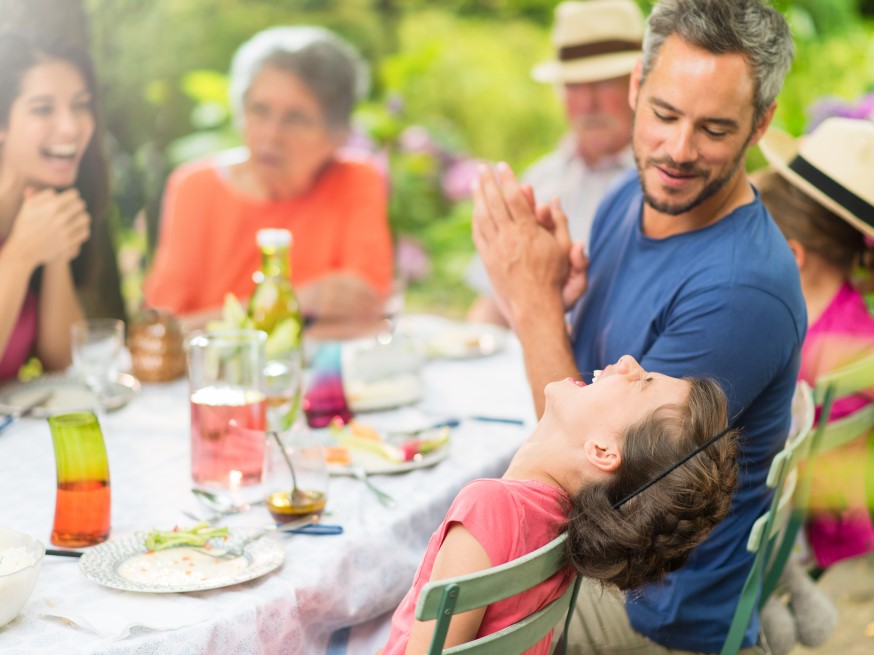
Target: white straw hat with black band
{"x":834,"y":165}
{"x":594,"y":40}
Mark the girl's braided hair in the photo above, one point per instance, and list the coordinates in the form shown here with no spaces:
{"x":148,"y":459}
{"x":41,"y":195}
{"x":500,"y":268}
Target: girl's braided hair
{"x":655,"y":531}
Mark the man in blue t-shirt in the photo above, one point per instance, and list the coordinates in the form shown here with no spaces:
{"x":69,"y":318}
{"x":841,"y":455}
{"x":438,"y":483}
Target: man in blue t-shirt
{"x":688,"y":274}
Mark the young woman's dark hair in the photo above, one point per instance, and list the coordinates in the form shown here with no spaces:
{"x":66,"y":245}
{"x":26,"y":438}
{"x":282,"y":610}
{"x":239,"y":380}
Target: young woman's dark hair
{"x":21,"y":51}
{"x":655,"y":531}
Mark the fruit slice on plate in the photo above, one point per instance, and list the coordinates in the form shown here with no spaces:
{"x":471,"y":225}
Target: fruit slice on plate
{"x":357,"y":436}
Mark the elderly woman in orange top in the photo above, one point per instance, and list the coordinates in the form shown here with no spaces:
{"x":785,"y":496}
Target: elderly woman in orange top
{"x":293,"y":90}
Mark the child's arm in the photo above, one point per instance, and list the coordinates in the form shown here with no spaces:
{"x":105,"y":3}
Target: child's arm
{"x":459,"y":554}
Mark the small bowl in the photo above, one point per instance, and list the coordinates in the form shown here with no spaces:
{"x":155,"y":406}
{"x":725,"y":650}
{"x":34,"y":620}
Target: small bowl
{"x":16,"y":586}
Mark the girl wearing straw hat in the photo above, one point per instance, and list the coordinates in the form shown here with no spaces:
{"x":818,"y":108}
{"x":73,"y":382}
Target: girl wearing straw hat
{"x":820,"y":196}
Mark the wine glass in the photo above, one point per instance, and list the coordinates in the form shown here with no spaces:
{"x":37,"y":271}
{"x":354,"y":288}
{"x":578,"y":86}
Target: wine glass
{"x":283,"y":384}
{"x":96,"y":346}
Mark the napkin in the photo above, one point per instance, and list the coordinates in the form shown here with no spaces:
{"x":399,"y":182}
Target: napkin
{"x":112,"y":618}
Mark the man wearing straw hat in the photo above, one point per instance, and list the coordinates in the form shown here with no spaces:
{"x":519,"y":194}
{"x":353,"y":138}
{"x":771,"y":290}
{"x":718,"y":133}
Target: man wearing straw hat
{"x":688,"y":274}
{"x":596,"y":43}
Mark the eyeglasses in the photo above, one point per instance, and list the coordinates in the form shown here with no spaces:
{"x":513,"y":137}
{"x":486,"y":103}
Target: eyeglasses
{"x":292,"y":122}
{"x":712,"y":440}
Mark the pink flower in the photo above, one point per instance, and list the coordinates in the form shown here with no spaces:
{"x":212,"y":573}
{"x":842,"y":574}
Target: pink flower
{"x":417,"y":139}
{"x":411,"y":259}
{"x":459,"y":177}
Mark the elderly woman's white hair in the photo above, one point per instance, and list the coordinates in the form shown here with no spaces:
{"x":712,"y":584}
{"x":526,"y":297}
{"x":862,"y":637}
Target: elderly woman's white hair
{"x":331,"y":68}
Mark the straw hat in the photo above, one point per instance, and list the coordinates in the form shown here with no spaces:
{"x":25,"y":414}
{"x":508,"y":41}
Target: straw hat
{"x":832,"y":165}
{"x":594,"y":40}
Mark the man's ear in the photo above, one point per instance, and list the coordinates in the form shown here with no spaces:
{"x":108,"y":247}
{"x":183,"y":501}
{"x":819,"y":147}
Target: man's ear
{"x":764,"y":122}
{"x":634,"y":83}
{"x":602,"y":454}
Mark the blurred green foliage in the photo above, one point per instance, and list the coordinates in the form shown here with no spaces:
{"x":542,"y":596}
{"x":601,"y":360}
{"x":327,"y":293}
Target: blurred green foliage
{"x":450,"y":85}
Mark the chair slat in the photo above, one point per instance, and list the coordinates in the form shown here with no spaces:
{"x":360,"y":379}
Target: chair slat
{"x":846,"y":381}
{"x":519,"y":637}
{"x":844,"y":430}
{"x":497,"y":583}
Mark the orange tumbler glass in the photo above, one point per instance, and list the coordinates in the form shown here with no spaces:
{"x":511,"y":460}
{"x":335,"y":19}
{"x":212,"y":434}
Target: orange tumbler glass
{"x":82,"y":505}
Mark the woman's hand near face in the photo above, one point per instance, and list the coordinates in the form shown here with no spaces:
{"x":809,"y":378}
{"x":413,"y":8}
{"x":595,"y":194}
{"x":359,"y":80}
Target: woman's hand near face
{"x":50,"y":227}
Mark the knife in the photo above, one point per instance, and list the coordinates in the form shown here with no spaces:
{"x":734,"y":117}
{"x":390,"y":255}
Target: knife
{"x":26,"y":409}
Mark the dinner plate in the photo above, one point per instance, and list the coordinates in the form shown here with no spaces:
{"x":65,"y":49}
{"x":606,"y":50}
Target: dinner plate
{"x":126,"y":564}
{"x":466,"y":341}
{"x":373,"y":464}
{"x":69,"y":394}
{"x":384,"y":393}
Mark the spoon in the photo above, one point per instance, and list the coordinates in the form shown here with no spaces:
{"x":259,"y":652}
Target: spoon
{"x":298,"y":496}
{"x":221,"y":504}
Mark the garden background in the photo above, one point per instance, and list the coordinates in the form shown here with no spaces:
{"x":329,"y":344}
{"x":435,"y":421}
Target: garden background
{"x":450,"y":87}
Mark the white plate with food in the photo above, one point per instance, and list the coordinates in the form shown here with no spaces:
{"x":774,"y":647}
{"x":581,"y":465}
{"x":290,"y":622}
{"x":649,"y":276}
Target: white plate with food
{"x":376,"y":465}
{"x":466,"y":341}
{"x":383,"y":393}
{"x":128,"y":565}
{"x":361,"y":446}
{"x":67,"y":394}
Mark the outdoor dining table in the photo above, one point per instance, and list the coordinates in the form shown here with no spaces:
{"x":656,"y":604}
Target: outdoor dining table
{"x":326,"y":584}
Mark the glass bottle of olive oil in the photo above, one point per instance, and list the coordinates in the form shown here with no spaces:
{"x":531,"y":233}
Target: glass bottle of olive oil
{"x":273,"y":306}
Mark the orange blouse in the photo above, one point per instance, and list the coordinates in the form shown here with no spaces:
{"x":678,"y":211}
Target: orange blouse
{"x":207,"y":241}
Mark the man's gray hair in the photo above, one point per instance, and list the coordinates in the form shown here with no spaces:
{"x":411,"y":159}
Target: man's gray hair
{"x":748,"y":27}
{"x":329,"y":67}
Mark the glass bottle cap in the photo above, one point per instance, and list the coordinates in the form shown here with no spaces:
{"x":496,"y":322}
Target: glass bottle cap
{"x":273,"y":238}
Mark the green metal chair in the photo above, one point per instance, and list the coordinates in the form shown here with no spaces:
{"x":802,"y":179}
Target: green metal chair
{"x":846,"y":381}
{"x":442,"y":599}
{"x":766,"y":535}
{"x":788,"y":510}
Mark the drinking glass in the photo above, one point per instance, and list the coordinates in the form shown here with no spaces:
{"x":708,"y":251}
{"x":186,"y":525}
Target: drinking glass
{"x":283,"y":383}
{"x":393,"y":304}
{"x":82,"y":504}
{"x":306,"y":492}
{"x":228,"y":406}
{"x":96,"y":346}
{"x":325,"y":400}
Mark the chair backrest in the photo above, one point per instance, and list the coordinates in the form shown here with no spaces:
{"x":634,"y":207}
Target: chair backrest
{"x":845,"y":381}
{"x":442,"y":599}
{"x":768,"y":531}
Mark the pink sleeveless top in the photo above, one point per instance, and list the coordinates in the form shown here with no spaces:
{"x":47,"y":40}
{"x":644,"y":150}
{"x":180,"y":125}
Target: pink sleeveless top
{"x":22,"y":340}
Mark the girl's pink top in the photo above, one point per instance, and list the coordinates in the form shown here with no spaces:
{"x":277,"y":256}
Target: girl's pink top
{"x":509,"y":518}
{"x":23,"y":337}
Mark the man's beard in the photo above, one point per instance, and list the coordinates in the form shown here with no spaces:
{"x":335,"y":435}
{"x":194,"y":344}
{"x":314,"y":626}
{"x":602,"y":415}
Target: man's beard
{"x":710,"y":189}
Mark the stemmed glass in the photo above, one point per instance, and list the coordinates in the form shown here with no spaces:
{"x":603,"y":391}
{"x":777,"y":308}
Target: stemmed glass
{"x":96,"y":346}
{"x":283,"y":384}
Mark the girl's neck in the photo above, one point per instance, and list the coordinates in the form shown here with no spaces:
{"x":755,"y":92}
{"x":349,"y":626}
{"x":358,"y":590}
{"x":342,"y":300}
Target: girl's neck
{"x":546,"y":458}
{"x":820,"y":283}
{"x":531,"y":463}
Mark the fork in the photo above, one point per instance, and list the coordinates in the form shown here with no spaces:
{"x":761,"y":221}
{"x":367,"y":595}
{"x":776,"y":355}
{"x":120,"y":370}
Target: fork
{"x":361,"y":474}
{"x":238,"y":549}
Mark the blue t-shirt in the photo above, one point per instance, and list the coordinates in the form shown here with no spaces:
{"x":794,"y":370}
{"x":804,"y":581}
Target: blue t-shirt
{"x":724,"y":302}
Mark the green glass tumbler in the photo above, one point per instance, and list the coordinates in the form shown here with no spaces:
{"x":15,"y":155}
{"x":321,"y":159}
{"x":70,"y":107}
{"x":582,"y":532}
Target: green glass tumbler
{"x":82,"y":504}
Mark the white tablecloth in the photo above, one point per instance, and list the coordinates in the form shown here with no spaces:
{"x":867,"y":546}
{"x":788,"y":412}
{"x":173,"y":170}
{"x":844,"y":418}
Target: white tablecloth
{"x":326,"y":583}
